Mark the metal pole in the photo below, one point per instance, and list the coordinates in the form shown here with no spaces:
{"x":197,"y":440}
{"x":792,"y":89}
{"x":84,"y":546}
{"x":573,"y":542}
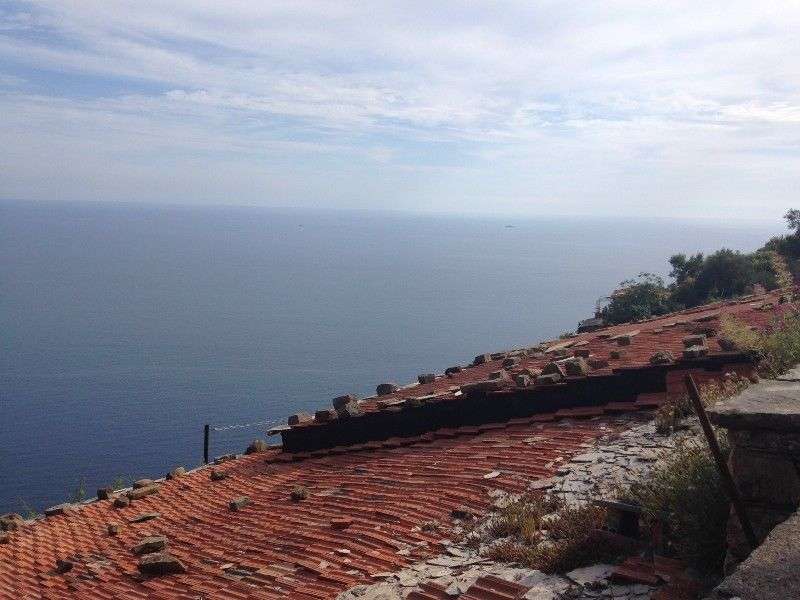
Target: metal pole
{"x":206,"y":434}
{"x":727,"y":479}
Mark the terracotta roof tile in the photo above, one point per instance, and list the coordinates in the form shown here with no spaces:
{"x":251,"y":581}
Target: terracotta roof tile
{"x":289,"y":548}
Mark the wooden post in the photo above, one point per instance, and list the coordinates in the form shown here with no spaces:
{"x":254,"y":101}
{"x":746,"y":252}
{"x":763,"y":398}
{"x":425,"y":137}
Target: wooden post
{"x":206,"y":435}
{"x":727,"y":478}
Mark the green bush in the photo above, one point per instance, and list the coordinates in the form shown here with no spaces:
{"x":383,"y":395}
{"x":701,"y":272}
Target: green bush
{"x":638,"y":298}
{"x":686,"y":486}
{"x":79,"y":493}
{"x":788,"y":245}
{"x":782,"y":347}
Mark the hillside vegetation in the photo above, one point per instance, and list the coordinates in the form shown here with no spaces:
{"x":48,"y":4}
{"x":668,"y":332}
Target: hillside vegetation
{"x":699,"y":279}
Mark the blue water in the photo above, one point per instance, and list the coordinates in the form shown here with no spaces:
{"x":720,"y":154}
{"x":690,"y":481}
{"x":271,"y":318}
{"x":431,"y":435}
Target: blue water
{"x":124,"y":329}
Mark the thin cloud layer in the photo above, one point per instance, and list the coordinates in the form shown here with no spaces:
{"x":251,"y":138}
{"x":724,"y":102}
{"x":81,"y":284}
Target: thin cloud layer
{"x":648,"y":108}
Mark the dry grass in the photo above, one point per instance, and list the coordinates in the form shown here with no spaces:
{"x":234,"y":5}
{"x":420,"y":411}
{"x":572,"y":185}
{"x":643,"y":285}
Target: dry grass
{"x":745,"y":338}
{"x":544,"y":533}
{"x":298,"y":493}
{"x":776,"y":351}
{"x":783,"y":276}
{"x":669,"y":415}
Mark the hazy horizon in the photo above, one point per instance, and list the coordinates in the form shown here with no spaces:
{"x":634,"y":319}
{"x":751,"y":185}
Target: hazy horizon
{"x":690,"y":109}
{"x":736,"y":221}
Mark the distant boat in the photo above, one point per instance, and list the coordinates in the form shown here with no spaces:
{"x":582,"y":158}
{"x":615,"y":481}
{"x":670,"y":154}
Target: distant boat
{"x":509,"y":227}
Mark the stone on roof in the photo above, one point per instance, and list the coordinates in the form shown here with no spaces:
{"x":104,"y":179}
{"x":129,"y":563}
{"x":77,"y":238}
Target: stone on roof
{"x":386,"y":388}
{"x":481,"y":358}
{"x":344,"y":400}
{"x":150,"y":544}
{"x":695,"y":352}
{"x":592,"y":324}
{"x":300,"y":418}
{"x":160,"y":563}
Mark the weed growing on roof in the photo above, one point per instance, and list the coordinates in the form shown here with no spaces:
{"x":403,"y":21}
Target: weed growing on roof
{"x":776,"y":351}
{"x":686,"y":486}
{"x":298,"y":493}
{"x":782,"y":273}
{"x":430,"y":526}
{"x":28,"y":511}
{"x":523,"y":518}
{"x":670,"y":415}
{"x":119,"y":483}
{"x":745,"y":338}
{"x":545,"y":533}
{"x":782,"y":347}
{"x":79,"y":493}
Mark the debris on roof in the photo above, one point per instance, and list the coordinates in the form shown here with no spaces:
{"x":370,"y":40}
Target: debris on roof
{"x":592,"y":324}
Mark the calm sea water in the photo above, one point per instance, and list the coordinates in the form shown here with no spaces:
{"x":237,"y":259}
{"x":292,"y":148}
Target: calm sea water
{"x":124,"y":329}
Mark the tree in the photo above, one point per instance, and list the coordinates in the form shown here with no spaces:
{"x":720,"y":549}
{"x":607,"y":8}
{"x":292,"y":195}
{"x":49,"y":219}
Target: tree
{"x":792,"y":217}
{"x":685,"y":268}
{"x":788,"y":246}
{"x":638,"y":298}
{"x":725,"y":274}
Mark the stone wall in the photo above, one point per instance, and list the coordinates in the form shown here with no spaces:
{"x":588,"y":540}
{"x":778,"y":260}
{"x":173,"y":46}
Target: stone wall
{"x":763,"y":425}
{"x":771,"y":572}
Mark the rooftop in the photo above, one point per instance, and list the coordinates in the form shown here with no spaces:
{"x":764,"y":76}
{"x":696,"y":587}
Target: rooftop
{"x":606,"y":355}
{"x":314,"y":522}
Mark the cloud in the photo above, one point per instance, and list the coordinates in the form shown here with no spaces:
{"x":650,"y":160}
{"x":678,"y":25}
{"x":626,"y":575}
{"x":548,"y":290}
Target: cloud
{"x":551,"y":107}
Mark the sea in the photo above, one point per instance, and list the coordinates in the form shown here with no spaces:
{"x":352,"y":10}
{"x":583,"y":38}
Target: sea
{"x":126,"y":328}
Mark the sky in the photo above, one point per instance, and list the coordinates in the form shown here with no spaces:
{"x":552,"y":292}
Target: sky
{"x":520,"y":107}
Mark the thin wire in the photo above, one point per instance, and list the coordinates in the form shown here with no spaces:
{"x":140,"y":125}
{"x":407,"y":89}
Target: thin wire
{"x":245,"y":425}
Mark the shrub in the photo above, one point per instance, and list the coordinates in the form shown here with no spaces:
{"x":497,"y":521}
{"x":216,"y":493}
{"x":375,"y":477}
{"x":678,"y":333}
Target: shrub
{"x":686,"y":485}
{"x":638,"y":298}
{"x":723,"y":274}
{"x":522,"y":518}
{"x":776,"y":352}
{"x":671,"y":413}
{"x":79,"y":493}
{"x":700,"y":279}
{"x":28,"y":512}
{"x":544,"y":533}
{"x":745,"y":338}
{"x":781,"y":347}
{"x":783,"y":275}
{"x":788,"y":246}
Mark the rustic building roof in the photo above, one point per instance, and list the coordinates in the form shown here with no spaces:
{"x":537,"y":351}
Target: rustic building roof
{"x":309,"y":524}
